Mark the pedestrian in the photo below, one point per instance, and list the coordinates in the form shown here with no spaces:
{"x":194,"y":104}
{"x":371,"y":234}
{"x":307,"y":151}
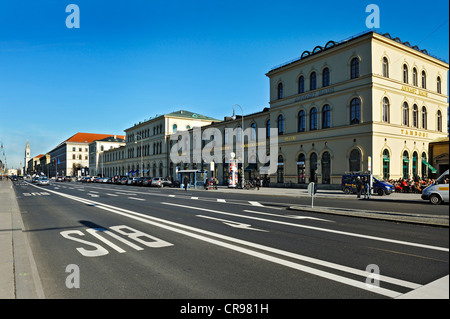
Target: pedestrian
{"x":366,"y":188}
{"x":186,"y":182}
{"x":358,"y":187}
{"x":258,"y":182}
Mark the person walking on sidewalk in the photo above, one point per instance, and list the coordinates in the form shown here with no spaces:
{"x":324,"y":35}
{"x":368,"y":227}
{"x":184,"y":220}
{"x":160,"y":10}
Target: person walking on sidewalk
{"x":186,"y":182}
{"x":358,"y":187}
{"x":366,"y":188}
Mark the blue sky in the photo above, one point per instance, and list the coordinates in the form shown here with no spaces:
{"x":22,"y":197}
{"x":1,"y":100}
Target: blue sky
{"x":133,"y":59}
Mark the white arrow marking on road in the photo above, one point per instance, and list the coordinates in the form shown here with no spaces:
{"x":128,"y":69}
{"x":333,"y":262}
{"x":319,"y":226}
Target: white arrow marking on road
{"x":287,"y":216}
{"x":255,"y":204}
{"x":233,"y":224}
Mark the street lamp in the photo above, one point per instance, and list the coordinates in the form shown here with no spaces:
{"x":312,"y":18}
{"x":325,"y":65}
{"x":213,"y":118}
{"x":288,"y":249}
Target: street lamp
{"x":142,"y":159}
{"x":242,"y":141}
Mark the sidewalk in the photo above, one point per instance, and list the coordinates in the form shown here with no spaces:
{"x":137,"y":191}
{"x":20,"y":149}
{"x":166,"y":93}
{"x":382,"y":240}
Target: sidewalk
{"x":18,"y":274}
{"x":426,"y":219}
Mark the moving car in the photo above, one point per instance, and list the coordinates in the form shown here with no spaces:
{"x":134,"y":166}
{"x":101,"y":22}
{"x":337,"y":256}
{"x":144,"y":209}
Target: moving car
{"x":348,"y":184}
{"x":437,"y":192}
{"x":160,"y":182}
{"x":43,"y":180}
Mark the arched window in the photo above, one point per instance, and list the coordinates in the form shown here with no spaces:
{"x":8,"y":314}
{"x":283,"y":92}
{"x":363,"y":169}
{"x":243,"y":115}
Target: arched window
{"x":424,"y":117}
{"x":355,"y":161}
{"x":313,"y":119}
{"x":301,"y":169}
{"x":355,"y":111}
{"x":301,"y":121}
{"x":326,"y":168}
{"x":415,"y":115}
{"x":386,"y":110}
{"x":424,"y":165}
{"x":386,"y":166}
{"x":326,"y":77}
{"x":385,"y":67}
{"x":414,"y":164}
{"x":313,"y":167}
{"x":424,"y":80}
{"x":280,"y":125}
{"x":280,"y":169}
{"x":405,"y":114}
{"x":414,"y":78}
{"x":301,"y":84}
{"x":174,"y":128}
{"x":405,"y":160}
{"x":405,"y":73}
{"x":326,"y":116}
{"x":439,"y":121}
{"x":253,"y":133}
{"x":312,"y":81}
{"x":354,"y":68}
{"x":438,"y":85}
{"x":280,"y":91}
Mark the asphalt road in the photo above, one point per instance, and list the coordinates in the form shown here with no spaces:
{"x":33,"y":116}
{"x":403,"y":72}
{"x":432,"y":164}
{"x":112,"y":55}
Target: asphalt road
{"x":111,"y":241}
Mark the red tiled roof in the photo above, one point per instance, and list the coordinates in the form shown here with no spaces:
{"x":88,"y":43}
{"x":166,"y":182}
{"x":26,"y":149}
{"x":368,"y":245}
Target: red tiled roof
{"x":89,"y":137}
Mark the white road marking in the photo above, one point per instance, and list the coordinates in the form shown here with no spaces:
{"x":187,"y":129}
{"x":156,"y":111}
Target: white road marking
{"x":194,"y":197}
{"x":255,"y":204}
{"x":288,"y":216}
{"x":318,"y":228}
{"x":233,"y":223}
{"x":221,"y":200}
{"x":114,"y":195}
{"x":168,"y":225}
{"x":135,"y":198}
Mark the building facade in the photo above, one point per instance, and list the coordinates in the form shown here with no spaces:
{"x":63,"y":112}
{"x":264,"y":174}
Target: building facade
{"x":71,"y":157}
{"x":371,"y":103}
{"x":97,"y":150}
{"x":147,"y":148}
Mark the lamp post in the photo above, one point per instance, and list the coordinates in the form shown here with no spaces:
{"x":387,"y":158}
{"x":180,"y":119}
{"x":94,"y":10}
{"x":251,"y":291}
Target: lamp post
{"x":142,"y":159}
{"x":242,"y":141}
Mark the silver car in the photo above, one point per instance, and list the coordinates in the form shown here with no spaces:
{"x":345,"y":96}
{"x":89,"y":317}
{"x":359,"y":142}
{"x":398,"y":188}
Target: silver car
{"x":43,"y":181}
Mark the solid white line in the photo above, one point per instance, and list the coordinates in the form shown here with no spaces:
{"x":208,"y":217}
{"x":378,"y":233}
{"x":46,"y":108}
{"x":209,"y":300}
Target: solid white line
{"x":136,"y":198}
{"x":317,"y":228}
{"x":156,"y":222}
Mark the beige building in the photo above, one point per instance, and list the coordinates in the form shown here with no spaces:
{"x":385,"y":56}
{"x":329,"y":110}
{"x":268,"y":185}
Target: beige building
{"x":147,"y":146}
{"x":97,"y":150}
{"x":335,"y":107}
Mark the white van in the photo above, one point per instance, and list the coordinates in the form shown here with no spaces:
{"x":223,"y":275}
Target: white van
{"x":438,"y":191}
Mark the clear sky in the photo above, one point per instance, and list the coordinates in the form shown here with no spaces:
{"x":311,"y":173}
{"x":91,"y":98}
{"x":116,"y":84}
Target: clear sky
{"x":133,"y":59}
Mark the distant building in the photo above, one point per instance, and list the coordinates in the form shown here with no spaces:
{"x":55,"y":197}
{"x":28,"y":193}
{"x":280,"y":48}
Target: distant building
{"x":147,"y":146}
{"x":71,"y":157}
{"x":27,"y":157}
{"x":97,"y":153}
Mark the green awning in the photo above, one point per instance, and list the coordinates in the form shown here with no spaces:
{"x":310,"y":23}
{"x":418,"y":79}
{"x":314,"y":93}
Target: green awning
{"x":433,"y":170}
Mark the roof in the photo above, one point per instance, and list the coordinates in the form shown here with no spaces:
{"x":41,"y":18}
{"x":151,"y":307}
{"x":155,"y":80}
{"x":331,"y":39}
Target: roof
{"x":86,"y":138}
{"x":190,"y":115}
{"x":331,"y":44}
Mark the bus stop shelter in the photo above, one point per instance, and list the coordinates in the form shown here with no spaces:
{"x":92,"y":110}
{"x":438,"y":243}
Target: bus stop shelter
{"x":199,"y":176}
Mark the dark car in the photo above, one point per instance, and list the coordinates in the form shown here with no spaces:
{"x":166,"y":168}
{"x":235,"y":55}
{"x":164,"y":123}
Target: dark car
{"x":147,"y":181}
{"x":348,"y":184}
{"x":122,"y":180}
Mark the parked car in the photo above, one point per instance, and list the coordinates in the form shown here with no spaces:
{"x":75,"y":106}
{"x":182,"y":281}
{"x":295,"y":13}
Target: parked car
{"x":35,"y":179}
{"x":437,"y":192}
{"x":161,"y":182}
{"x":147,"y":181}
{"x":140,"y":181}
{"x":348,"y":184}
{"x":86,"y":179}
{"x":59,"y":179}
{"x":68,"y":178}
{"x":43,"y":180}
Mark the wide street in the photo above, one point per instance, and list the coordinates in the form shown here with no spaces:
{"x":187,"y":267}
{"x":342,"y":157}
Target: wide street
{"x":117,"y":241}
